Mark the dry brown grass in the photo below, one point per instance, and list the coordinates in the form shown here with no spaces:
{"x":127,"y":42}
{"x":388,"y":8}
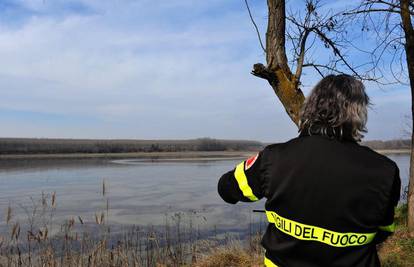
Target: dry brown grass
{"x":398,"y":250}
{"x":40,"y":241}
{"x":231,"y":255}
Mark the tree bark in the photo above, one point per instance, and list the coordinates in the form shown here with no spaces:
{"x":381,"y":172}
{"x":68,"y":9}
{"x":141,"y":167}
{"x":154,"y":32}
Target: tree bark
{"x":409,"y":50}
{"x":277,"y":72}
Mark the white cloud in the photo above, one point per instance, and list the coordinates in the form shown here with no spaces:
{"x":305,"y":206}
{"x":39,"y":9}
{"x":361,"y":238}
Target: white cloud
{"x":176,"y":67}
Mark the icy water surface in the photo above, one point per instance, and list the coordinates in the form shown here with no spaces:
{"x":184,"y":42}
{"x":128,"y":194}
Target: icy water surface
{"x":138,"y":192}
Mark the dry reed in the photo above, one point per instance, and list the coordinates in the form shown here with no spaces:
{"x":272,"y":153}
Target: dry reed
{"x":41,"y":241}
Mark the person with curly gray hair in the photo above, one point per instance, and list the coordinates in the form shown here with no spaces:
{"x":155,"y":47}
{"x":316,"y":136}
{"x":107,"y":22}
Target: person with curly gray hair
{"x":337,"y":104}
{"x":329,"y":199}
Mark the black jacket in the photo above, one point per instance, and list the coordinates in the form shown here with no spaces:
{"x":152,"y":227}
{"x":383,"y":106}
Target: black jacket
{"x":328,"y":201}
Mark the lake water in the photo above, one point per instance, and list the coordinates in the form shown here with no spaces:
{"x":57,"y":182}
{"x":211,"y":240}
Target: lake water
{"x":138,"y":192}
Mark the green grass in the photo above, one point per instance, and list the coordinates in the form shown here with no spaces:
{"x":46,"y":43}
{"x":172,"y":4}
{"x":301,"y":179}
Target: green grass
{"x":398,"y":250}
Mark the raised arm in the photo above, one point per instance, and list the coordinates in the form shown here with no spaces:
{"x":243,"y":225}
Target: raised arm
{"x":244,"y":182}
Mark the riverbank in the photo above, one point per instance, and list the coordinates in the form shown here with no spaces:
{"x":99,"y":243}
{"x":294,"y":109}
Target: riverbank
{"x":393,"y":151}
{"x":182,"y":155}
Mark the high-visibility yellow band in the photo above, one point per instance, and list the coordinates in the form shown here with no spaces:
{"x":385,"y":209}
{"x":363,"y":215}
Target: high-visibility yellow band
{"x":242,"y":182}
{"x":269,"y":263}
{"x":314,"y":233}
{"x":388,"y":228}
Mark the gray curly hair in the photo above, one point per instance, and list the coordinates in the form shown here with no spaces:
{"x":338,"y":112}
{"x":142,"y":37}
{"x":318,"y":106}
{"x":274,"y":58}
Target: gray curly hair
{"x":336,"y":106}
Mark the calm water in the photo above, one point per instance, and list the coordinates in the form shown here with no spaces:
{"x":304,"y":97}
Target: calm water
{"x":139,"y":192}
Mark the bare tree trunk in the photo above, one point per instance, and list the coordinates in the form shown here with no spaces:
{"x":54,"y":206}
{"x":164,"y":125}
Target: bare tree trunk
{"x":409,"y":50}
{"x":277,"y":72}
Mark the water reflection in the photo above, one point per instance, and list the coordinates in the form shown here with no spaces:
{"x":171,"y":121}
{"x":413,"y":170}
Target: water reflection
{"x":139,"y":192}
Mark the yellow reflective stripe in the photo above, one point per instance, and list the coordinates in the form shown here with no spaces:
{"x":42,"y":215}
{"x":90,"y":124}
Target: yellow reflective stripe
{"x":269,"y":263}
{"x":313,"y":233}
{"x":388,"y":228}
{"x":242,"y":182}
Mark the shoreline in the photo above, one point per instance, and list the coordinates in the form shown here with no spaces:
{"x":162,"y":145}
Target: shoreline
{"x":393,"y":151}
{"x":184,"y":155}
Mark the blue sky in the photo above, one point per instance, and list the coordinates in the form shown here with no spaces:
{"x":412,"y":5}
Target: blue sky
{"x":150,"y":69}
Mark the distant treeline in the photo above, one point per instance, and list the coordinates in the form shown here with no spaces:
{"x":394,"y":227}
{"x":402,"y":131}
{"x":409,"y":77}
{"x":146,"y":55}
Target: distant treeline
{"x":390,"y":144}
{"x":57,"y":146}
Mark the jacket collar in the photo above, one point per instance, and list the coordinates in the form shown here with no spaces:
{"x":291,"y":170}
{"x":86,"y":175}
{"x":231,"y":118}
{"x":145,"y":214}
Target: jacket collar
{"x":331,"y":133}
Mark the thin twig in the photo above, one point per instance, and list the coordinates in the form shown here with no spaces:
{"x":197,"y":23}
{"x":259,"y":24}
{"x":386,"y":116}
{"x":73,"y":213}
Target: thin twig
{"x":336,"y":51}
{"x":255,"y":26}
{"x":371,"y":10}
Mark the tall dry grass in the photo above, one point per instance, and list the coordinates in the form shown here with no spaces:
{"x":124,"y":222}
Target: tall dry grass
{"x":40,"y":241}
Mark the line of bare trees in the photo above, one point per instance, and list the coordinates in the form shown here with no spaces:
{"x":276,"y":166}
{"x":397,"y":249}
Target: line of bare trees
{"x":54,"y":146}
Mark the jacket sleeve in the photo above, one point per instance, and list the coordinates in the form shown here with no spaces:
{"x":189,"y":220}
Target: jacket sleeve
{"x":387,"y":227}
{"x":244,"y":182}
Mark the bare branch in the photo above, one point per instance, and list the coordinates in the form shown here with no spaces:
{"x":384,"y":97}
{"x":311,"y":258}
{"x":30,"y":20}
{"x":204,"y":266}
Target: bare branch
{"x":336,"y":50}
{"x":370,"y":10}
{"x":320,"y":73}
{"x":261,"y":71}
{"x":255,"y":26}
{"x":301,"y":57}
{"x":313,"y":22}
{"x":368,"y":7}
{"x":381,"y":17}
{"x":332,"y":69}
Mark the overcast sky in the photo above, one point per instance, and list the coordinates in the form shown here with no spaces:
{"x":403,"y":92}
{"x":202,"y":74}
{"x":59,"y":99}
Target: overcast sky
{"x":149,"y":69}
